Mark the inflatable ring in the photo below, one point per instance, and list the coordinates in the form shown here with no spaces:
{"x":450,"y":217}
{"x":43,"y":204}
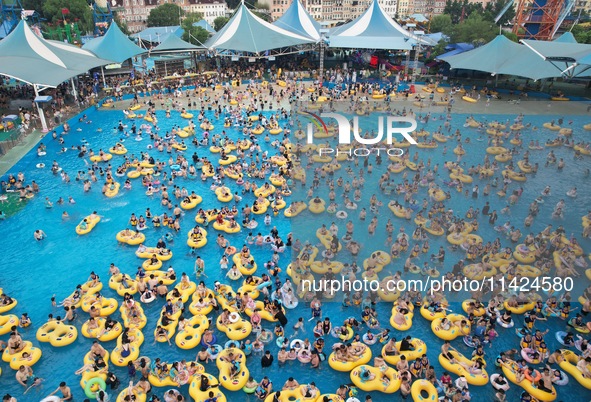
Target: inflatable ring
{"x":91,"y":383}
{"x":232,"y":344}
{"x":217,"y":349}
{"x":505,"y":324}
{"x":175,"y":167}
{"x":294,"y":344}
{"x":341,"y":215}
{"x":423,"y":390}
{"x":149,"y":299}
{"x":368,"y":341}
{"x":234,"y":317}
{"x":493,"y":378}
{"x":40,"y":165}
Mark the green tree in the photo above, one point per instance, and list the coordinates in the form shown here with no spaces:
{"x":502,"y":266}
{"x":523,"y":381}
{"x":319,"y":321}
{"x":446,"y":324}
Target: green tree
{"x":265,"y":14}
{"x":441,"y":23}
{"x":474,"y":29}
{"x":78,"y":10}
{"x":493,"y":9}
{"x":193,"y":34}
{"x":220,"y":22}
{"x":439,"y":49}
{"x":196,"y":36}
{"x":167,"y":14}
{"x":459,"y":10}
{"x":511,"y":36}
{"x":233,"y":4}
{"x":581,"y":33}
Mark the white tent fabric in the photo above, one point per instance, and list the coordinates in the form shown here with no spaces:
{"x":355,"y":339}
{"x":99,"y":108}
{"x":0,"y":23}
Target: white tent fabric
{"x":245,"y":32}
{"x":297,"y":20}
{"x":114,"y":45}
{"x":37,"y":61}
{"x":373,"y":29}
{"x":502,"y":56}
{"x":175,"y":44}
{"x":569,"y":58}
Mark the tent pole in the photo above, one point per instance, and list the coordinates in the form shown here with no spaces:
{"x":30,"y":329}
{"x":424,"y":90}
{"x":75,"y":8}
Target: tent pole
{"x":103,"y":74}
{"x":321,"y":65}
{"x":74,"y":89}
{"x":40,"y":111}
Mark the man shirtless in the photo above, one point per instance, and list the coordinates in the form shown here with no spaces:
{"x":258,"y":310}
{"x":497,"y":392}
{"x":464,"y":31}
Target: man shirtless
{"x":65,"y":390}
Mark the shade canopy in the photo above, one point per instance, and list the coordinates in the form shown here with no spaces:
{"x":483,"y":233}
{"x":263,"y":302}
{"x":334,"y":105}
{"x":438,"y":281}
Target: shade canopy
{"x":37,"y":61}
{"x":418,"y":18}
{"x":245,"y":32}
{"x":571,"y":58}
{"x":434,"y":38}
{"x":566,"y":37}
{"x":456,"y":48}
{"x":203,"y":24}
{"x":297,"y":20}
{"x":503,"y":56}
{"x":175,"y":44}
{"x":114,"y":45}
{"x":159,"y":34}
{"x":373,"y":29}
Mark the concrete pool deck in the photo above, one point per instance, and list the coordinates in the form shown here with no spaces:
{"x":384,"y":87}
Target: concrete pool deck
{"x":505,"y":106}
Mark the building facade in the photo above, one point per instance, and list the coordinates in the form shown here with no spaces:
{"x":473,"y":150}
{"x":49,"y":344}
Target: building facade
{"x":584,"y":5}
{"x":332,"y":10}
{"x":427,"y":8}
{"x":135,"y":12}
{"x":210,"y":9}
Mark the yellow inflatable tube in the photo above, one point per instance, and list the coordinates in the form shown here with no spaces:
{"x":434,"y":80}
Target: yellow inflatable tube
{"x":454,"y":331}
{"x":419,"y":349}
{"x":7,"y":322}
{"x":198,"y":395}
{"x":378,"y":383}
{"x":16,"y":360}
{"x":57,"y":333}
{"x":341,"y":366}
{"x":139,"y":397}
{"x":407,"y":318}
{"x":472,"y":379}
{"x":90,"y":224}
{"x":423,"y":390}
{"x":235,"y":331}
{"x":240,"y":379}
{"x":510,"y":369}
{"x":569,"y":364}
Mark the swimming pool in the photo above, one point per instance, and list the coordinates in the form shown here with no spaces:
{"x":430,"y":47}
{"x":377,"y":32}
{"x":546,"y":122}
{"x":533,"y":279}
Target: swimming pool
{"x":57,"y":264}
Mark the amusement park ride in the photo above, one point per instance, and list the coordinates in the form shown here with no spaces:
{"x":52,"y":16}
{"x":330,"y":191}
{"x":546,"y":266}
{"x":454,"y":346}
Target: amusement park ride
{"x":538,"y":19}
{"x":102,"y":15}
{"x":11,"y":12}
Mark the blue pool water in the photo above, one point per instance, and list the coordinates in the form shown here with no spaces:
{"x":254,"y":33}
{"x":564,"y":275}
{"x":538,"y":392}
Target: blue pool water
{"x":33,"y":271}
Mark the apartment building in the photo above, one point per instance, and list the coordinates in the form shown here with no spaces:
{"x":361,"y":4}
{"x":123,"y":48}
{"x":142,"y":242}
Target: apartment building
{"x":426,"y":7}
{"x":210,"y":9}
{"x":332,"y":10}
{"x":135,"y":12}
{"x":584,"y":5}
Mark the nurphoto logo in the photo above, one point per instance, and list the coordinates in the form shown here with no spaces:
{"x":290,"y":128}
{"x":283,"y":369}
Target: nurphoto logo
{"x":388,"y":128}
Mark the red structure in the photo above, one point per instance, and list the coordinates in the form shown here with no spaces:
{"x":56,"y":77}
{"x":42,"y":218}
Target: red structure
{"x":537,"y":19}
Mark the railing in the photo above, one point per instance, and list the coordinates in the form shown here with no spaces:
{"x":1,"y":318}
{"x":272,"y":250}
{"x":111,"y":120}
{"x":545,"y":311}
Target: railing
{"x":13,"y":140}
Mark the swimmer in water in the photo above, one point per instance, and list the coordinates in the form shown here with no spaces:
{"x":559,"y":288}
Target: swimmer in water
{"x":39,"y":235}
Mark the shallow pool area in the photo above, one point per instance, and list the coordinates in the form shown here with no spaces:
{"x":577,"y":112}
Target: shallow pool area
{"x":32,"y":272}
